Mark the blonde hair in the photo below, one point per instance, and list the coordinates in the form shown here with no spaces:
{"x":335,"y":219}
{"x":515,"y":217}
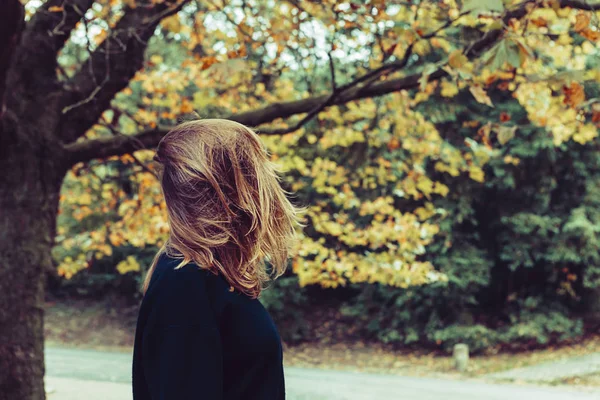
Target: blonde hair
{"x":226,"y":208}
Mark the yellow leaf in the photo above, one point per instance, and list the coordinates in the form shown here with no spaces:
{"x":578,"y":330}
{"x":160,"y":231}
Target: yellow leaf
{"x":85,"y":199}
{"x":476,"y":173}
{"x":156,"y":59}
{"x":129,"y":264}
{"x":585,"y":134}
{"x":457,"y":59}
{"x":449,"y":89}
{"x":480,"y":95}
{"x":172,"y":23}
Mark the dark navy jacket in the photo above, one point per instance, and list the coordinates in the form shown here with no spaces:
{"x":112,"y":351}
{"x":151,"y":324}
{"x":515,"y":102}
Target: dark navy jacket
{"x":197,"y":340}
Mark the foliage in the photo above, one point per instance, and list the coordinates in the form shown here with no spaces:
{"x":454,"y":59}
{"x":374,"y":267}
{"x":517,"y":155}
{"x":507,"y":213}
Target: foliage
{"x":449,"y":202}
{"x":519,"y":252}
{"x":286,"y":301}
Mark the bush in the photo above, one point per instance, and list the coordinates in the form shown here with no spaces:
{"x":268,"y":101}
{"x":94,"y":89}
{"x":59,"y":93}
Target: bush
{"x":478,"y":337}
{"x":286,"y":300}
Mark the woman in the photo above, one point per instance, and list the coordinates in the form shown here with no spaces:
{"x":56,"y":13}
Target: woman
{"x":201,"y":332}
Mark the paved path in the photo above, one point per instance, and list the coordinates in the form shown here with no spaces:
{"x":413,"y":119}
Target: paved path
{"x":552,"y":371}
{"x":91,"y":375}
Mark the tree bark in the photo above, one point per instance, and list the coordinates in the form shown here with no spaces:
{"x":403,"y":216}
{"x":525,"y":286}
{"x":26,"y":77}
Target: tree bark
{"x":29,"y":192}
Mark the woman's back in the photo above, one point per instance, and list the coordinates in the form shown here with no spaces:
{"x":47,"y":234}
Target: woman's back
{"x":198,"y":339}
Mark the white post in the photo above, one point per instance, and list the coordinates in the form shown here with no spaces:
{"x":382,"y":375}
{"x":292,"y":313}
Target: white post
{"x":461,"y":356}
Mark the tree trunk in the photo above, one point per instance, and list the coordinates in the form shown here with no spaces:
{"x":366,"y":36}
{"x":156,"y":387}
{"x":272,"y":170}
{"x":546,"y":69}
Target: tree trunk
{"x":29,"y":191}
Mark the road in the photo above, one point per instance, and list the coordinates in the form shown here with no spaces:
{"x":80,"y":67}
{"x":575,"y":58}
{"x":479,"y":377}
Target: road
{"x":555,"y":370}
{"x":92,"y":375}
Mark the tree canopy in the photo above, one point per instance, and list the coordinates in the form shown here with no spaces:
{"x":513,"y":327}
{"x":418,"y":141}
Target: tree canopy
{"x":360,"y":148}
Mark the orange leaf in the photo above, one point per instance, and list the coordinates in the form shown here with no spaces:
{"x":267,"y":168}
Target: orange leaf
{"x":574,"y":94}
{"x":393,"y":144}
{"x":55,"y":9}
{"x":582,"y":21}
{"x":208,"y":61}
{"x":186,"y":107}
{"x":590,"y":34}
{"x":540,"y":21}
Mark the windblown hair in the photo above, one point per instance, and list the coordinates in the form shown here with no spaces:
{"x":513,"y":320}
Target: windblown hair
{"x":226,"y":209}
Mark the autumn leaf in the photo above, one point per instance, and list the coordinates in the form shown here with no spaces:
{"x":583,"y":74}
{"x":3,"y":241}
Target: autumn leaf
{"x":186,"y":107}
{"x":582,"y":21}
{"x":449,"y":89}
{"x":476,"y":173}
{"x":172,"y":23}
{"x":207,"y":62}
{"x":590,"y":34}
{"x":539,"y":22}
{"x":130,"y":264}
{"x":456,"y":59}
{"x":574,"y":94}
{"x":55,"y":9}
{"x":596,"y":116}
{"x":480,"y":95}
{"x":393,"y":144}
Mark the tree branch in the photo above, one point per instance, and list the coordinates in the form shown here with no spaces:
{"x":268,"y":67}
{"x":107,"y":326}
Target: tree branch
{"x":580,"y":4}
{"x":111,"y":66}
{"x":113,"y":145}
{"x":44,"y":36}
{"x":123,"y":144}
{"x":56,"y":19}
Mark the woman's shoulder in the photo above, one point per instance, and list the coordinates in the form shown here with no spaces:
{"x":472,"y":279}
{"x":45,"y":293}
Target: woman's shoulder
{"x":177,"y":293}
{"x":172,"y":270}
{"x":187,"y":279}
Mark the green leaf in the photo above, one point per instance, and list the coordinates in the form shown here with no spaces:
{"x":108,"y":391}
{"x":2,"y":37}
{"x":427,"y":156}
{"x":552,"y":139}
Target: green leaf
{"x":505,"y":51}
{"x":483,"y":5}
{"x":513,"y":54}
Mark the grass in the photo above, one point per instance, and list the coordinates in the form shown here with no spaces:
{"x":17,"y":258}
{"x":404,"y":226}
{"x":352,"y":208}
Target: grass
{"x":585,"y":380}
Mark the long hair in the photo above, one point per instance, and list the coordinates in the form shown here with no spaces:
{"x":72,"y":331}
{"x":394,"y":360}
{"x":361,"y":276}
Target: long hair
{"x":227,"y":211}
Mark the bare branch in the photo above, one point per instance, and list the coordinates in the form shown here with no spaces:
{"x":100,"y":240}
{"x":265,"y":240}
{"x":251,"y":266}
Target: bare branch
{"x":332,"y":72}
{"x":314,"y":112}
{"x":113,"y":145}
{"x":581,"y":5}
{"x":111,"y":66}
